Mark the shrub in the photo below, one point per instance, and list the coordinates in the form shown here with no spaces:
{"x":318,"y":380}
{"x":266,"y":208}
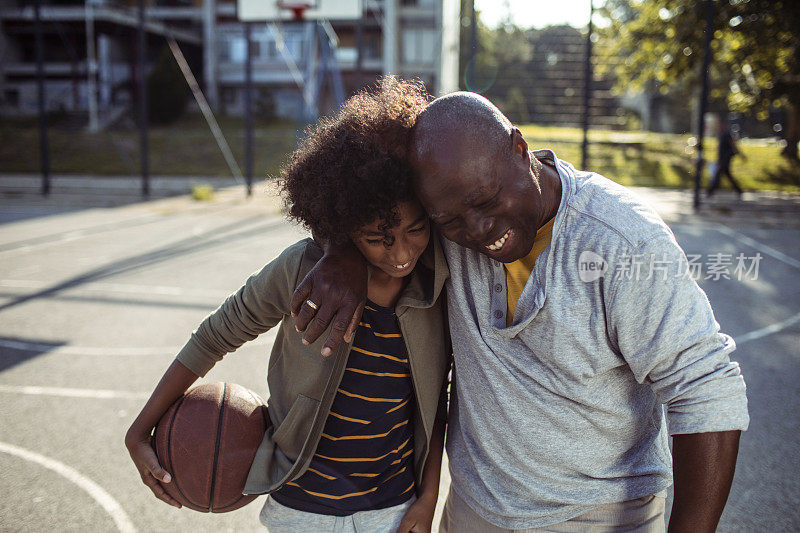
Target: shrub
{"x":167,"y":92}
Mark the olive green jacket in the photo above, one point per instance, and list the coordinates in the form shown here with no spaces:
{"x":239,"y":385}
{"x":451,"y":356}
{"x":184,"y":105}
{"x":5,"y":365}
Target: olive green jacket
{"x":302,"y":383}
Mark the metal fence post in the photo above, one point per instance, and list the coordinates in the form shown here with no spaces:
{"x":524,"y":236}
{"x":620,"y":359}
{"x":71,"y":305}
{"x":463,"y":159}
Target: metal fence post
{"x":587,"y":91}
{"x":44,"y":149}
{"x":709,"y":34}
{"x":248,"y":108}
{"x":143,"y":119}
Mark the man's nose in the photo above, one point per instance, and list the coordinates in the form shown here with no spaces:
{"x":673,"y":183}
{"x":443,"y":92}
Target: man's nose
{"x":478,"y":227}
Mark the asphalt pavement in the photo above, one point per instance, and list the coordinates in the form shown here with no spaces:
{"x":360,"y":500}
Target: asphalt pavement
{"x":98,"y":291}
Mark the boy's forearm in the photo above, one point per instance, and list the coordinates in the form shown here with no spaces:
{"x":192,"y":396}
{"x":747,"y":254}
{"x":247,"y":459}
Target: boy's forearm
{"x":175,"y":381}
{"x":433,"y":464}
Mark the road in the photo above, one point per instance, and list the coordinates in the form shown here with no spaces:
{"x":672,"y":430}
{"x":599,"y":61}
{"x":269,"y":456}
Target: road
{"x":95,"y":301}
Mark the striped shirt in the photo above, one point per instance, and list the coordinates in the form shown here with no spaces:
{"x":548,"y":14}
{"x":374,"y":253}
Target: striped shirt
{"x":364,"y":459}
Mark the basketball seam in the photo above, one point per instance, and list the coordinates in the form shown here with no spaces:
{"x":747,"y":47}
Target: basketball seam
{"x":216,"y":448}
{"x":223,"y":508}
{"x":169,"y":452}
{"x":267,"y":423}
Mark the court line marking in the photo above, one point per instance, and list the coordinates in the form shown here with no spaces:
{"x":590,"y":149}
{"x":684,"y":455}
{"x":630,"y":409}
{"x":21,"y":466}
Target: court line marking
{"x":775,"y":254}
{"x":767,"y":330}
{"x":125,"y":288}
{"x":98,"y":494}
{"x":95,"y":394}
{"x":768,"y":250}
{"x":264,"y":339}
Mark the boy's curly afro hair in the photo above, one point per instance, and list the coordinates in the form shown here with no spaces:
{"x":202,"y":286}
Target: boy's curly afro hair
{"x":351,"y":169}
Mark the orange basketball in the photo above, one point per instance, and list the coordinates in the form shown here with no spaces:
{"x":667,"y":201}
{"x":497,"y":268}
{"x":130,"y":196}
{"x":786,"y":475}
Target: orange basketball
{"x":207,"y":441}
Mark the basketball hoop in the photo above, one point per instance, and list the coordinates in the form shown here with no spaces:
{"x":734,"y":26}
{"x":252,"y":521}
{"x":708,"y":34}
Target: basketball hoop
{"x":297,"y":8}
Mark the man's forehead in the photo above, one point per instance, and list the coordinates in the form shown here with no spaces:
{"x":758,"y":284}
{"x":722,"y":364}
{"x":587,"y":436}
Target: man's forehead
{"x":446,"y":200}
{"x":460,"y":165}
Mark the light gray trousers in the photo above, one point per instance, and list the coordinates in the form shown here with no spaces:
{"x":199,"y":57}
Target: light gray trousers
{"x":281,"y":519}
{"x":642,"y":515}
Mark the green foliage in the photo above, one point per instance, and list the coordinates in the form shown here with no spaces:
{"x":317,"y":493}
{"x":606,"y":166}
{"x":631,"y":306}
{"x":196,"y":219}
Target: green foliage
{"x":756,"y":50}
{"x":167,"y":92}
{"x":663,"y":159}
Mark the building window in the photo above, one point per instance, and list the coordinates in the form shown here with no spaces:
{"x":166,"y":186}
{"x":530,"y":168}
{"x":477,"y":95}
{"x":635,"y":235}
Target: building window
{"x":11,"y":97}
{"x":372,"y":46}
{"x":238,"y":48}
{"x":229,"y":96}
{"x":232,"y":48}
{"x":224,"y":50}
{"x":419,"y":46}
{"x":271,"y":50}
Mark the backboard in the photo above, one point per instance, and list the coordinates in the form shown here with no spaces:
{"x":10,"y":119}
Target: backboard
{"x":274,"y":10}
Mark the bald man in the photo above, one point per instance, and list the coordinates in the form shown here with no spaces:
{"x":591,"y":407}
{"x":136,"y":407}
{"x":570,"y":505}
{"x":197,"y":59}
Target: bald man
{"x":575,"y":326}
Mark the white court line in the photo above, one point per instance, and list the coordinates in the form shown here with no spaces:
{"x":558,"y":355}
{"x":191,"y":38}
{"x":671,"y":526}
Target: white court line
{"x":761,"y":247}
{"x":106,"y":501}
{"x":768,"y":330}
{"x":125,"y":288}
{"x":775,"y":254}
{"x":264,"y":339}
{"x":96,"y":394}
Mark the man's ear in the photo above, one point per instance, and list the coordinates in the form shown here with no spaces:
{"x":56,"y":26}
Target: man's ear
{"x":519,"y":145}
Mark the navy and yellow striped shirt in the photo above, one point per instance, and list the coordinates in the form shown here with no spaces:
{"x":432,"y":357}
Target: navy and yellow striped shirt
{"x":364,"y":459}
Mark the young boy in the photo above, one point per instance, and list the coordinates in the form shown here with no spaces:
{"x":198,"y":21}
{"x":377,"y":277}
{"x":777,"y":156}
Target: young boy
{"x":356,"y":438}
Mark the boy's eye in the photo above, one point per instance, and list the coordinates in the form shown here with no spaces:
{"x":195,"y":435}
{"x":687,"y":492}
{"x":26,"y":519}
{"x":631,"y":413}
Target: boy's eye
{"x":374,"y":241}
{"x":419,"y":229}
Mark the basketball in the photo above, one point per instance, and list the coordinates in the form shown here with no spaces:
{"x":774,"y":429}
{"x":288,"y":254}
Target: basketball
{"x":207,"y":441}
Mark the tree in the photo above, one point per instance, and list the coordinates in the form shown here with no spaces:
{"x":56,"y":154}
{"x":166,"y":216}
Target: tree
{"x":167,"y":90}
{"x":756,"y":52}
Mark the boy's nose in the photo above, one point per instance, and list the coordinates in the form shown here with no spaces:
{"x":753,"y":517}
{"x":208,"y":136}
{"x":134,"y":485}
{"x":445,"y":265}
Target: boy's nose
{"x":401,"y":258}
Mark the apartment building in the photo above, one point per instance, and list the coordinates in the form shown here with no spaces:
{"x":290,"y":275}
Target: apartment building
{"x":90,"y":51}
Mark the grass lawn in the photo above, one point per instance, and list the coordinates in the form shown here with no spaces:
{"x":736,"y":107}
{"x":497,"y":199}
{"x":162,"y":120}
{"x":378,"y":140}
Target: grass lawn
{"x":188,"y":148}
{"x":666,"y":160}
{"x":184,"y":148}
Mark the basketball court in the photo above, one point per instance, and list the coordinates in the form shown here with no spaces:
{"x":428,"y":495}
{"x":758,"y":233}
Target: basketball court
{"x":95,"y":302}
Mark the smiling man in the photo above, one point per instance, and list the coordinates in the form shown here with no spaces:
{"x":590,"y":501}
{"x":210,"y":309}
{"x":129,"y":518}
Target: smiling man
{"x":564,"y":366}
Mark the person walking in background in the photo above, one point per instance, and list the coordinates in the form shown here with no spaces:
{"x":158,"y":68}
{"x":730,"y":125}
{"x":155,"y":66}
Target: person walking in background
{"x":726,"y":149}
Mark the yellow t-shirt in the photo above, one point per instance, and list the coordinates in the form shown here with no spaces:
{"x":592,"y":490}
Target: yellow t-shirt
{"x":518,"y":272}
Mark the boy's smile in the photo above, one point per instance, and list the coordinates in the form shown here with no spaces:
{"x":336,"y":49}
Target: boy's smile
{"x":395,"y":250}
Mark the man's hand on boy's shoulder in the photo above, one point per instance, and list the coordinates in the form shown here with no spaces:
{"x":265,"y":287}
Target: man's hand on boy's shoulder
{"x":419,"y":516}
{"x":332,"y":294}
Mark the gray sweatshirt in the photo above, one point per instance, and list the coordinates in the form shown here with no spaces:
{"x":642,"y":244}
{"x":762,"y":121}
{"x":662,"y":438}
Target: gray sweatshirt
{"x":562,"y":411}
